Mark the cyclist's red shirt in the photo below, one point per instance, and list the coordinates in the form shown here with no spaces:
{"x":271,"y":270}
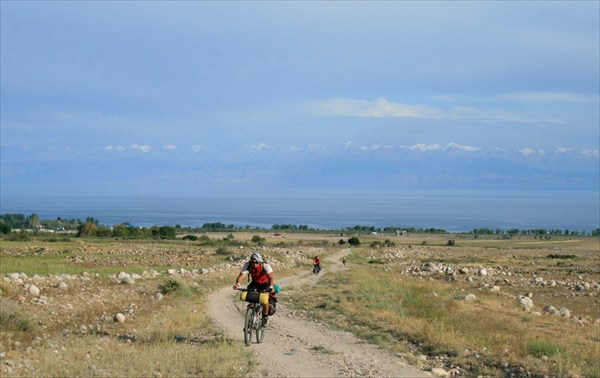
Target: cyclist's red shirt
{"x":258,"y":274}
{"x":317,"y":261}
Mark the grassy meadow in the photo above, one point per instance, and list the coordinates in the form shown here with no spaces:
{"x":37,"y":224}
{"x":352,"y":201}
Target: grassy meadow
{"x":407,"y":295}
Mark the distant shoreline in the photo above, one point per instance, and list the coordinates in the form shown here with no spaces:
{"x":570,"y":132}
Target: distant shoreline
{"x":454,"y":211}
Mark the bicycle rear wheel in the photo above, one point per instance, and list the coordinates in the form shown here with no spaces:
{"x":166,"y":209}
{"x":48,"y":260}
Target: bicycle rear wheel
{"x":260,"y":329}
{"x":248,"y":325}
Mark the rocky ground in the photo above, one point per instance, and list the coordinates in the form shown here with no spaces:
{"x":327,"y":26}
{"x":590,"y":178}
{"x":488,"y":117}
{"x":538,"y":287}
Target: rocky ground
{"x":542,"y":282}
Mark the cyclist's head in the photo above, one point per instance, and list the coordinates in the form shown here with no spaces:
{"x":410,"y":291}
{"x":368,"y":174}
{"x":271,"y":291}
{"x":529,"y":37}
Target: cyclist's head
{"x":256,"y":257}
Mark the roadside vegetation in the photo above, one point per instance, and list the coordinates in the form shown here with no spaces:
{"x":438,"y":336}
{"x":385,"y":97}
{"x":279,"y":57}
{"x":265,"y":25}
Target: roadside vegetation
{"x":394,"y":300}
{"x":404,"y":293}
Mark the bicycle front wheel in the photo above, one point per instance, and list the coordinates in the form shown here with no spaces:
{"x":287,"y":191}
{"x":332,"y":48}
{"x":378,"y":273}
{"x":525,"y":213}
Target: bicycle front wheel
{"x":248,"y":325}
{"x":260,"y":329}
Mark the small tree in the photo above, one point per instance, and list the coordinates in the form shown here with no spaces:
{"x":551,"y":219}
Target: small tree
{"x":86,"y":229}
{"x":4,"y":228}
{"x":354,"y":241}
{"x":257,"y":240}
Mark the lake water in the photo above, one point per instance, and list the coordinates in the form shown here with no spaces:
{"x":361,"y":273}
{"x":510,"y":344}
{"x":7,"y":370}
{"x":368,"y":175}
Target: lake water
{"x":454,"y":211}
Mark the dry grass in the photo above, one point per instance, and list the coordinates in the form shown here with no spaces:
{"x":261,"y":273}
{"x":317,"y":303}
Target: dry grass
{"x":377,"y":298}
{"x":414,"y":314}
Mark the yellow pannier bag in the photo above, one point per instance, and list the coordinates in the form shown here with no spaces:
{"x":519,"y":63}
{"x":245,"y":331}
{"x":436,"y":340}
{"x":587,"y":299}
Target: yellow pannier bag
{"x":254,"y":297}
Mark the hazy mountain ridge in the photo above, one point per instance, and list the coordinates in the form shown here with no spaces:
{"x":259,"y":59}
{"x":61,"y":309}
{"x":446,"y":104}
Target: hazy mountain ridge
{"x":393,"y":168}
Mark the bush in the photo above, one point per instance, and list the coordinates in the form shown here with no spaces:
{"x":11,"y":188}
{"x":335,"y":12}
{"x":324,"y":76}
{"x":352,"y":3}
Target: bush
{"x":190,"y":237}
{"x":173,"y":285}
{"x":18,"y":236}
{"x":257,"y":240}
{"x":86,"y":229}
{"x":354,"y":241}
{"x":12,"y":318}
{"x":559,"y":256}
{"x":5,"y":228}
{"x":167,"y":232}
{"x":451,"y":243}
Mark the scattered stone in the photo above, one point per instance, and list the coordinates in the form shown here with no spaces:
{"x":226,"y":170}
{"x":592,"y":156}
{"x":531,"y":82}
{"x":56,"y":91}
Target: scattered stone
{"x":128,"y":280}
{"x":34,"y":290}
{"x":62,"y":285}
{"x":119,"y":318}
{"x":470,"y":297}
{"x":564,"y":312}
{"x":439,"y":372}
{"x":525,"y":302}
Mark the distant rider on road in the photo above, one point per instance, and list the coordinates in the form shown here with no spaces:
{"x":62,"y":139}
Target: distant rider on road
{"x":316,"y":264}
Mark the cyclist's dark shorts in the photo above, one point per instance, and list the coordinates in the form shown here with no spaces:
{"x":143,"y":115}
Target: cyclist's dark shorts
{"x":256,"y":286}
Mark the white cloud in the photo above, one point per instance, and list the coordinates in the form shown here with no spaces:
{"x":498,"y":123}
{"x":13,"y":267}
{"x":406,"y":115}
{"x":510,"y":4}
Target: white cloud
{"x":590,"y":153}
{"x":442,"y":147}
{"x":198,"y":148}
{"x":115,"y":148}
{"x":527,"y":151}
{"x":379,"y":108}
{"x":425,"y":147}
{"x":561,"y":150}
{"x":463,"y":147}
{"x":170,"y":147}
{"x":375,"y":147}
{"x":381,"y":147}
{"x":530,"y":151}
{"x":258,"y":147}
{"x":382,"y":108}
{"x":143,"y":149}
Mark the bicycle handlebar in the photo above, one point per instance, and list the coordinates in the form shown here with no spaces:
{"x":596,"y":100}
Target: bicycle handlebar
{"x":260,"y":291}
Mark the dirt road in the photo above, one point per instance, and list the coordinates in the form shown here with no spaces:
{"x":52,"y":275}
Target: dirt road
{"x":296,"y":347}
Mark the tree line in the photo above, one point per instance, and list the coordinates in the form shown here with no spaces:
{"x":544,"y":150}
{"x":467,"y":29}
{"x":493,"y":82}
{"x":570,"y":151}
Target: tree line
{"x":541,"y":232}
{"x":92,"y":227}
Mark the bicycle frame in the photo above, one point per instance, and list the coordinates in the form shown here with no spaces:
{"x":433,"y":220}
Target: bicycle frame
{"x":253,"y":323}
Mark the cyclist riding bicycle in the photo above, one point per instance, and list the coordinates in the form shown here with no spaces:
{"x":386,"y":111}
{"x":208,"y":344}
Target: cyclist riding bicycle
{"x":316,"y":264}
{"x":262,"y":277}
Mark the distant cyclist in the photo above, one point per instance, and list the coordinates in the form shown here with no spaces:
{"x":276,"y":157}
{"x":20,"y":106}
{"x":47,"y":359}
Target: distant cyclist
{"x":262,"y":278}
{"x":316,"y":265}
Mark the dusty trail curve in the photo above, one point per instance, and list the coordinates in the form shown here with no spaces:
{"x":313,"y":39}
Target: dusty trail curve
{"x":298,"y":348}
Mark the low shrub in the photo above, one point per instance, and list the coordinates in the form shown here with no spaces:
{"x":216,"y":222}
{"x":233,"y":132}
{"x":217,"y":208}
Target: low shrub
{"x":173,"y":286}
{"x":12,"y":318}
{"x":559,"y":256}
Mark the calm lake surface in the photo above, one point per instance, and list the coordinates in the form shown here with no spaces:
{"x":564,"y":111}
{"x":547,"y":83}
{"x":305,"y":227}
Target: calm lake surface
{"x":454,"y":211}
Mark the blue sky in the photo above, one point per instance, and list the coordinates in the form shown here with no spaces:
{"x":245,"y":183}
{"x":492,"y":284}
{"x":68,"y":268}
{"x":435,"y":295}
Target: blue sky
{"x":177,"y":98}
